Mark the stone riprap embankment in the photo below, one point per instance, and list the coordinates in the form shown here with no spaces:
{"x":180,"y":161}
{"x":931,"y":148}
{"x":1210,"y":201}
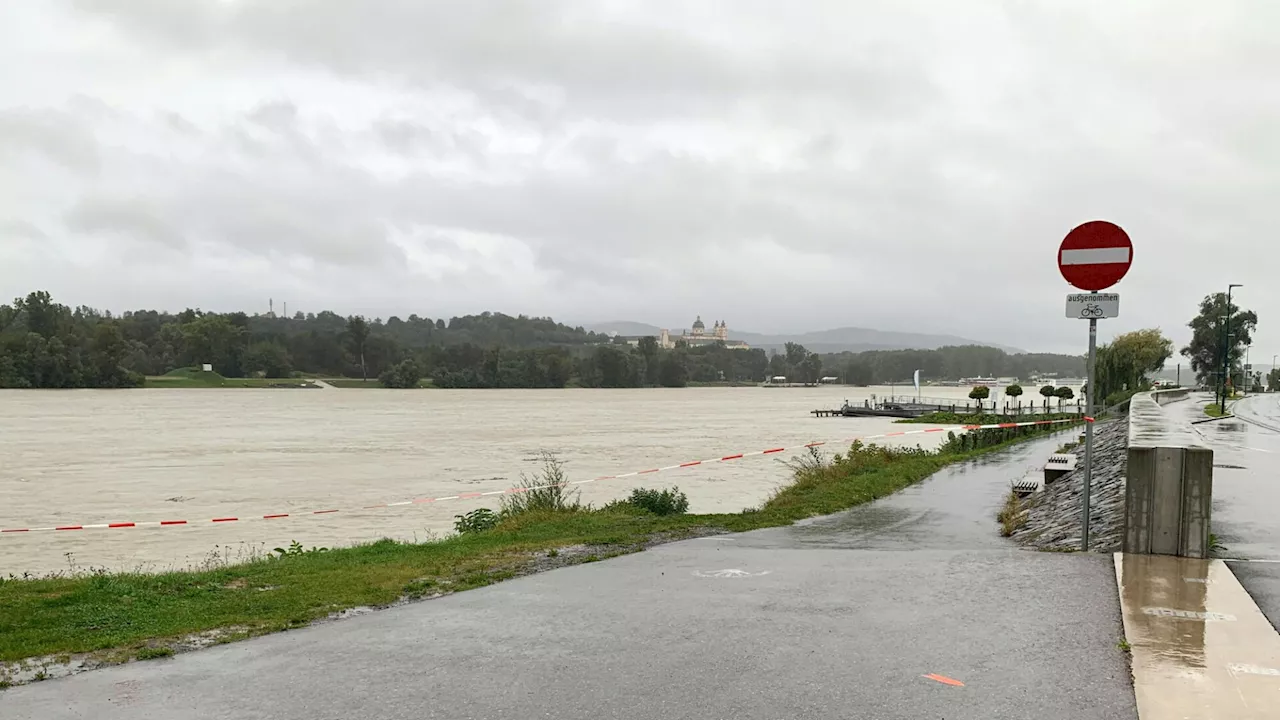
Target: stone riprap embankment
{"x":1053,"y":514}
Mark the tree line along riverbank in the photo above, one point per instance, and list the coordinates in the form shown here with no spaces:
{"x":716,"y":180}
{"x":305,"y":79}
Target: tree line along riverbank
{"x":106,"y":617}
{"x":44,"y":344}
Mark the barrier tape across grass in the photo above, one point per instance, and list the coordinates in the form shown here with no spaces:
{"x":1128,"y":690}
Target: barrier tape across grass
{"x":515,"y":490}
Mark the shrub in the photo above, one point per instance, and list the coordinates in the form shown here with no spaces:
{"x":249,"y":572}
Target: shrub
{"x":477,"y":520}
{"x":545,"y":490}
{"x":296,"y":549}
{"x":660,"y":502}
{"x":1012,"y":517}
{"x":405,"y":375}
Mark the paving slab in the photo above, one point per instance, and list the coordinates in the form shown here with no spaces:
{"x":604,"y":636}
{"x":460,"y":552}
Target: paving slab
{"x":1202,"y":650}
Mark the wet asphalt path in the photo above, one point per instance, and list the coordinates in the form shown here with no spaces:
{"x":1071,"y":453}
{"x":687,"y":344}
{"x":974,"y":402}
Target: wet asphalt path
{"x":835,"y":618}
{"x":1246,"y":491}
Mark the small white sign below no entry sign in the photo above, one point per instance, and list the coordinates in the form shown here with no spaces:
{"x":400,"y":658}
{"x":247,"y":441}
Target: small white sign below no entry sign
{"x":1093,"y":306}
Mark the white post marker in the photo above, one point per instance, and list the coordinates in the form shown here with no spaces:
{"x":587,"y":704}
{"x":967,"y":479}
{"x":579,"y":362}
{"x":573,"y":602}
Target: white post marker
{"x":1093,"y":257}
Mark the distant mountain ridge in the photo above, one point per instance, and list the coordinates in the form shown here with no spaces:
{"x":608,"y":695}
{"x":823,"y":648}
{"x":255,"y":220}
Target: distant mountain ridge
{"x":851,"y":339}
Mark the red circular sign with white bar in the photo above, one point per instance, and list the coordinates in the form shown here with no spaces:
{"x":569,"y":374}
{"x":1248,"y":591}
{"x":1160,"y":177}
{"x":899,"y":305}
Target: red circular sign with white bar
{"x":1096,"y":255}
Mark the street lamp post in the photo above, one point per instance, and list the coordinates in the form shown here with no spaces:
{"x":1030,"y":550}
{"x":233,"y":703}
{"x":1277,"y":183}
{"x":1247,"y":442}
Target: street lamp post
{"x":1226,"y":353}
{"x":1246,"y":371}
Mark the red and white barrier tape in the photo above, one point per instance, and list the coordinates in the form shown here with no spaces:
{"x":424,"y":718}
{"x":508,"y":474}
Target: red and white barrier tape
{"x":514,"y":490}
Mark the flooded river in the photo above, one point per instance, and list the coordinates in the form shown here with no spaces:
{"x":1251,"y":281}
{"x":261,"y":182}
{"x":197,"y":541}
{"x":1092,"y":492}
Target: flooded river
{"x":87,"y":457}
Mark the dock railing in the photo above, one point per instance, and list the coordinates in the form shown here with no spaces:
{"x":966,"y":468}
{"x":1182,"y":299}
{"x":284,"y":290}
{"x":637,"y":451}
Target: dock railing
{"x":1003,"y":406}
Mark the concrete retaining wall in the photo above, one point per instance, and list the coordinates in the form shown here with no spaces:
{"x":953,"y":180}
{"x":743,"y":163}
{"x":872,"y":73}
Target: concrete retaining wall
{"x":1169,"y":481}
{"x":1164,"y":397}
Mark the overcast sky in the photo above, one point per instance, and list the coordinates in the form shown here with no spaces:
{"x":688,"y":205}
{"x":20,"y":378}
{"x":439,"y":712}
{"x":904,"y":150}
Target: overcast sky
{"x":785,"y":166}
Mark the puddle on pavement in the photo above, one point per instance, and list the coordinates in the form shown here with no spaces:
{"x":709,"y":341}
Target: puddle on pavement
{"x":955,"y":507}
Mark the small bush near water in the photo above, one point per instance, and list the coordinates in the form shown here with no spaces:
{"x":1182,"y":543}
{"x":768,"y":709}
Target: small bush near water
{"x":545,"y":491}
{"x":660,"y":502}
{"x":477,"y":520}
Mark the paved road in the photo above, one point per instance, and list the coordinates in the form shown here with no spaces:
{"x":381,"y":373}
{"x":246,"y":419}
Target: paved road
{"x":1246,"y":491}
{"x":836,"y":618}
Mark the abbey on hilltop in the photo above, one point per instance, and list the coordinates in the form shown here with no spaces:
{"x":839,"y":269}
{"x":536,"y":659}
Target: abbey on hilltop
{"x":698,"y":336}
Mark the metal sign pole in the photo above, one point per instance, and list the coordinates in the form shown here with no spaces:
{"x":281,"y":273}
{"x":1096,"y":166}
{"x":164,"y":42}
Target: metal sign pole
{"x":1092,"y":389}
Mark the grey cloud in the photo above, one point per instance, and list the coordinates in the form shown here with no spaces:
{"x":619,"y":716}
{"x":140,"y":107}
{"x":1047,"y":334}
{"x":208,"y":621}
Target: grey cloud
{"x":131,"y":217}
{"x":604,"y":66}
{"x":62,"y":137}
{"x":17,"y":228}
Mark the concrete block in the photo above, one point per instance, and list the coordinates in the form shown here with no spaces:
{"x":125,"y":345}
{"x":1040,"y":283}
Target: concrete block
{"x":1138,"y":494}
{"x":1059,"y":464}
{"x":1169,"y":483}
{"x":1197,"y":502}
{"x":1166,"y":502}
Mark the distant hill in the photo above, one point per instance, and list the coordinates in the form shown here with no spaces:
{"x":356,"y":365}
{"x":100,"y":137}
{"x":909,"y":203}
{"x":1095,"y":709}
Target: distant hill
{"x":852,"y":339}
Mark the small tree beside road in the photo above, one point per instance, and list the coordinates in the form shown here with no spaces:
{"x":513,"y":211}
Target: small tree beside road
{"x":1015,"y":391}
{"x":1047,"y":391}
{"x":980,"y":393}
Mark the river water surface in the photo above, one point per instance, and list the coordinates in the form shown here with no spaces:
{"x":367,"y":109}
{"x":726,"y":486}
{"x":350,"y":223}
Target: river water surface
{"x":88,"y":456}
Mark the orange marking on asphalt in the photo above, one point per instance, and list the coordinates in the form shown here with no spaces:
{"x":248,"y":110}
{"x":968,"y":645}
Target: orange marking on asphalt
{"x":944,"y":680}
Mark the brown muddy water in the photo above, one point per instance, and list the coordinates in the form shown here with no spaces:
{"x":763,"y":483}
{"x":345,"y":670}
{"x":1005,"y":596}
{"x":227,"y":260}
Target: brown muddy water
{"x":86,"y":457}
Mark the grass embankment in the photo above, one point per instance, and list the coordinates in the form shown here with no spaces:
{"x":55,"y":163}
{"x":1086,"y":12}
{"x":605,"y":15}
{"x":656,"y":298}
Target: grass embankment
{"x":192,"y":378}
{"x":1213,"y":410}
{"x":950,"y":418}
{"x":124,"y":616}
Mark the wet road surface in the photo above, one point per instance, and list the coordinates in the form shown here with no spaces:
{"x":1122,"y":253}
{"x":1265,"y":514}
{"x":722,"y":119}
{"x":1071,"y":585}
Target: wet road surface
{"x":1246,"y":491}
{"x":842,"y":617}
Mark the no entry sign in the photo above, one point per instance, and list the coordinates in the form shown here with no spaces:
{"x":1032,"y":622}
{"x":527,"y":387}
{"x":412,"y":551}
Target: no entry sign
{"x":1095,"y":255}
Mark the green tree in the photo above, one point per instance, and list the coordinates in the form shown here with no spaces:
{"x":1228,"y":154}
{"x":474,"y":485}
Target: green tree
{"x":615,"y":367}
{"x":778,"y":367}
{"x":107,"y":352}
{"x":1209,"y":337}
{"x":1273,"y":379}
{"x":649,"y":351}
{"x":795,"y":353}
{"x":1124,"y":365}
{"x":269,"y":358}
{"x":43,"y":316}
{"x":858,"y":372}
{"x":358,"y":334}
{"x":1064,"y":393}
{"x":980,"y":393}
{"x":810,"y":368}
{"x":405,"y":375}
{"x":1014,"y":390}
{"x":1047,"y":391}
{"x":215,"y":340}
{"x":559,"y":370}
{"x":672,"y":370}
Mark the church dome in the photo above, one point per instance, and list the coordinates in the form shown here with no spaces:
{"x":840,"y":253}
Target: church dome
{"x":698,"y":325}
